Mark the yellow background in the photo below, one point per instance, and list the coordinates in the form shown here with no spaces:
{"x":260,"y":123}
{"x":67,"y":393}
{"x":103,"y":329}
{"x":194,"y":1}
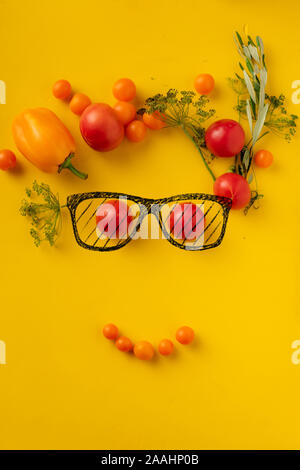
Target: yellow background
{"x":64,"y":386}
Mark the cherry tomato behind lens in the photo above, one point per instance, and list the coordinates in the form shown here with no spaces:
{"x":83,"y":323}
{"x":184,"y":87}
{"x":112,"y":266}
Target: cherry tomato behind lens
{"x":113,"y":219}
{"x":186,"y":221}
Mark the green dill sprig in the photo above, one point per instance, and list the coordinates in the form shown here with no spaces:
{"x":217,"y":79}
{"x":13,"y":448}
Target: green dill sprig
{"x":44,"y":209}
{"x":278,"y":120}
{"x":187,"y":111}
{"x":180,"y":108}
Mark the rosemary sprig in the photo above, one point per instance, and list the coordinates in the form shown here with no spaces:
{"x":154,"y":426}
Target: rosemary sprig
{"x":184,"y":110}
{"x":254,"y":104}
{"x":251,"y":86}
{"x":264,"y":113}
{"x":44,"y":209}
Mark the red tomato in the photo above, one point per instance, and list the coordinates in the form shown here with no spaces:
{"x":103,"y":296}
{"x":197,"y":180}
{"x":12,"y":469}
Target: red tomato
{"x":204,"y":83}
{"x":124,"y":89}
{"x":101,"y":128}
{"x":235,"y":187}
{"x":7,"y":160}
{"x":263,"y":158}
{"x":186,"y":221}
{"x":125,"y":112}
{"x":113,"y":219}
{"x":136,"y":131}
{"x":225,"y":138}
{"x":152,"y":121}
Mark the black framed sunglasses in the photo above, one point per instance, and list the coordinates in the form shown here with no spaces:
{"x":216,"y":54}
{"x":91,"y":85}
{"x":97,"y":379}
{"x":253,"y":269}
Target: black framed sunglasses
{"x":106,"y":221}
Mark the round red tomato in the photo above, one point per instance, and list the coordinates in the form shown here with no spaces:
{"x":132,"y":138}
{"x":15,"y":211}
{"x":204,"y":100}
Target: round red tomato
{"x":113,"y":219}
{"x":100,"y":127}
{"x":235,"y":187}
{"x":225,"y":138}
{"x":186,"y":221}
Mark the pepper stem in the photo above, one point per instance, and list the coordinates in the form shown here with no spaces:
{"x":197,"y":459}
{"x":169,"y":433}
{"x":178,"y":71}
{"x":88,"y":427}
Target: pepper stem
{"x":67,"y":164}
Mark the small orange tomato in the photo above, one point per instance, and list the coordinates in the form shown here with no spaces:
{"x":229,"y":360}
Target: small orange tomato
{"x":185,"y":335}
{"x":7,"y":160}
{"x":125,"y":112}
{"x":143,"y":350}
{"x":62,"y":89}
{"x":124,"y":89}
{"x":136,"y":131}
{"x":204,"y":83}
{"x":152,"y":121}
{"x":124,"y":344}
{"x":263,"y":158}
{"x":110,"y":331}
{"x":165,"y":347}
{"x":78,"y":103}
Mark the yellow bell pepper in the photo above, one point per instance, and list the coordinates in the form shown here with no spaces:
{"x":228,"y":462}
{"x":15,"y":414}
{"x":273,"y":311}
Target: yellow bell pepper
{"x":45,"y":141}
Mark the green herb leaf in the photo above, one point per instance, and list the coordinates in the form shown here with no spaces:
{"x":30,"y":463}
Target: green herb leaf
{"x":187,"y":111}
{"x":44,"y":210}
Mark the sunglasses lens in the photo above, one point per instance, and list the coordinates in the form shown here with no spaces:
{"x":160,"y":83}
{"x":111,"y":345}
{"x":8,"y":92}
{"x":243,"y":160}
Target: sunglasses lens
{"x":104,"y":223}
{"x":193,"y":224}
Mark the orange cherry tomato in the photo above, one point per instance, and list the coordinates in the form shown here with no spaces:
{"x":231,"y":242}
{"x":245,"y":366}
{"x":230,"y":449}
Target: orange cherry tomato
{"x":7,"y":159}
{"x":124,"y":89}
{"x":125,"y":112}
{"x":263,"y":158}
{"x":152,"y":121}
{"x":110,"y":331}
{"x":124,"y":344}
{"x":136,"y":131}
{"x":62,"y":89}
{"x":165,"y":347}
{"x":143,"y":350}
{"x":185,"y":335}
{"x":78,"y":103}
{"x":204,"y":83}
